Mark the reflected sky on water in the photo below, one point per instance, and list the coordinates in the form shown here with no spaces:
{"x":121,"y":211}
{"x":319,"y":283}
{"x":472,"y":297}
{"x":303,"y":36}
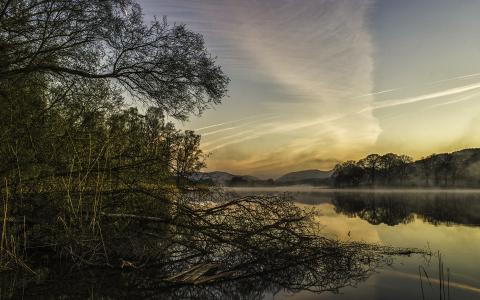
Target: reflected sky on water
{"x":433,"y":220}
{"x":438,"y":220}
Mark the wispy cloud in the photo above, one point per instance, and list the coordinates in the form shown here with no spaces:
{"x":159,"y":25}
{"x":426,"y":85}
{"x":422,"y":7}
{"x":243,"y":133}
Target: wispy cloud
{"x":274,"y":128}
{"x":389,"y":91}
{"x":315,"y":58}
{"x":379,"y":93}
{"x":320,"y":54}
{"x":312,"y":64}
{"x":425,"y":97}
{"x":231,"y":122}
{"x":258,"y":130}
{"x":242,"y":125}
{"x":458,"y":100}
{"x":302,"y":124}
{"x":228,"y":137}
{"x":219,"y":131}
{"x":457,"y":78}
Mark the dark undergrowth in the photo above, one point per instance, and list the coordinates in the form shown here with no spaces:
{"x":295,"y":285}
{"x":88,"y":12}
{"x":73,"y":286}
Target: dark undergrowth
{"x":207,"y":248}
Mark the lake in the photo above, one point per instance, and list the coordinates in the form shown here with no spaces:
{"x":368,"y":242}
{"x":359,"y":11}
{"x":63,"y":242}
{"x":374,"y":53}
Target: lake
{"x":438,"y":220}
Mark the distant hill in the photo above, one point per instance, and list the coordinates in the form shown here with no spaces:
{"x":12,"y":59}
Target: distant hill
{"x":456,"y":169}
{"x":302,"y":176}
{"x":313,"y":177}
{"x":223,"y":178}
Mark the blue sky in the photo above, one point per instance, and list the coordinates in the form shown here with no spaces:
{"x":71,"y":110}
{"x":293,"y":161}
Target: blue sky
{"x":315,"y":82}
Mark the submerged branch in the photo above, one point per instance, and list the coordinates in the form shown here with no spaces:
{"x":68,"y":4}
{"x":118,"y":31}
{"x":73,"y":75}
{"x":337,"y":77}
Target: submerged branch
{"x":212,"y":249}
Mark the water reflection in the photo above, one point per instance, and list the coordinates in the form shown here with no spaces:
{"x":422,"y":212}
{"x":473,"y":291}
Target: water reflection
{"x":400,"y":208}
{"x":329,"y":270}
{"x":440,"y":220}
{"x":443,"y":221}
{"x":391,"y":207}
{"x":245,"y":248}
{"x":375,"y":210}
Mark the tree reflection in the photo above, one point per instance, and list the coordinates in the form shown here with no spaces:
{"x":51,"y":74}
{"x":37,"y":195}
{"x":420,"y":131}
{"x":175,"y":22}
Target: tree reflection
{"x":399,"y":208}
{"x":325,"y":272}
{"x":239,"y":249}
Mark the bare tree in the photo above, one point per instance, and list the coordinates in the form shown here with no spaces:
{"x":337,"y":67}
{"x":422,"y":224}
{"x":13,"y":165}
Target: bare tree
{"x":72,"y":40}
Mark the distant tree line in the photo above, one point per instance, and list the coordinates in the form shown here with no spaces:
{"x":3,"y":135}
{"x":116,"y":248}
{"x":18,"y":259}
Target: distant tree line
{"x":457,"y":169}
{"x":240,"y":181}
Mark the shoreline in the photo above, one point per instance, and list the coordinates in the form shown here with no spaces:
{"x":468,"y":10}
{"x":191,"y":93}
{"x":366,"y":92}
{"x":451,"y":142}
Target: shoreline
{"x":299,"y":188}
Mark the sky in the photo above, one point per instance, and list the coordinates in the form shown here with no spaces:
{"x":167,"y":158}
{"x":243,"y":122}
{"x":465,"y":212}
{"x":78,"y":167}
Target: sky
{"x":316,"y":82}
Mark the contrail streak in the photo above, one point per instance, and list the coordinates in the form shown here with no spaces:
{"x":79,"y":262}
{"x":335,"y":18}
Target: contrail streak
{"x":385,"y":104}
{"x":234,"y":142}
{"x":231,"y":122}
{"x":378,"y":93}
{"x":219,"y":130}
{"x":291,"y":127}
{"x":456,"y":100}
{"x":240,"y":126}
{"x":425,"y":97}
{"x":427,"y":83}
{"x":456,"y":78}
{"x":227,"y":137}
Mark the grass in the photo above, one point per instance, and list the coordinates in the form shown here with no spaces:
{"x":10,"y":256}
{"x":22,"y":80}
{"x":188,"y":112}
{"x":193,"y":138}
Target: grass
{"x":443,"y":280}
{"x":245,"y":246}
{"x":13,"y":235}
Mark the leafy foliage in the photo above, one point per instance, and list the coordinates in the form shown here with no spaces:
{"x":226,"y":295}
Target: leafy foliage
{"x":70,"y":147}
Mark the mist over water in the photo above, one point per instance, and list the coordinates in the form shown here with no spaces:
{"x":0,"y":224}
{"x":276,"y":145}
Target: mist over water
{"x":438,"y":220}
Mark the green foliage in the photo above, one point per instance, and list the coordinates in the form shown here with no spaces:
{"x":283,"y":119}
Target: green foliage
{"x":70,"y":148}
{"x":64,"y":165}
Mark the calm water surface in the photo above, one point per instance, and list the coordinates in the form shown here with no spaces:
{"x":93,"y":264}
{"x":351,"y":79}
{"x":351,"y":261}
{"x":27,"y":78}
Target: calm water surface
{"x":435,"y":220}
{"x":445,"y":221}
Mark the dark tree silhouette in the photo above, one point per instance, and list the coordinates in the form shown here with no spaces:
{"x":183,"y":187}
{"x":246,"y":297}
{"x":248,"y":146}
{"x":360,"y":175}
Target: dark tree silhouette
{"x":427,"y":165}
{"x":348,"y":173}
{"x":388,"y":164}
{"x":404,"y":167}
{"x":371,"y":164}
{"x":73,"y":42}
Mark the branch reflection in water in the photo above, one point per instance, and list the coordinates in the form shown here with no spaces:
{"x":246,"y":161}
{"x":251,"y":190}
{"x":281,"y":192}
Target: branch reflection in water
{"x":242,"y":248}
